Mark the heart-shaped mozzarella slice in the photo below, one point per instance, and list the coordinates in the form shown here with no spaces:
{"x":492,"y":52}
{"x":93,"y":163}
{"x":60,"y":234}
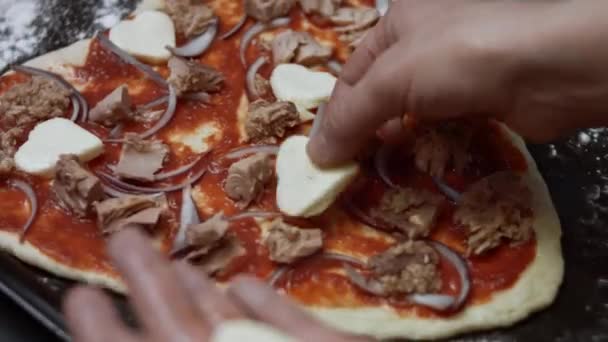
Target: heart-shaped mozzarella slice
{"x":307,"y":89}
{"x":304,"y":189}
{"x":146,"y":36}
{"x":52,"y":138}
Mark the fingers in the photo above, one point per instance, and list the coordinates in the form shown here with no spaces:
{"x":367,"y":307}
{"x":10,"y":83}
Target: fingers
{"x":265,"y":304}
{"x":210,"y":301}
{"x":92,"y":318}
{"x":154,"y":292}
{"x":355,"y":112}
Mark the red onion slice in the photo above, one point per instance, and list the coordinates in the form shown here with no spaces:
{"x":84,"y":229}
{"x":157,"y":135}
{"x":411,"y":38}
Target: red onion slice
{"x":179,"y":171}
{"x":159,"y":101}
{"x":382,"y":6}
{"x":343,"y":258}
{"x":364,"y":218}
{"x":75,"y":108}
{"x":188,"y":215}
{"x":369,"y":285}
{"x":127,"y":58}
{"x":277,"y":275}
{"x":112,"y":192}
{"x":316,"y":123}
{"x":381,"y":164}
{"x":31,"y":197}
{"x":243,"y":151}
{"x":235,"y":29}
{"x":463,"y":272}
{"x":434,"y":301}
{"x":115,"y":132}
{"x":252,"y":72}
{"x":253,"y":214}
{"x":115,"y":181}
{"x":198,"y":45}
{"x":335,"y":67}
{"x":82,"y":103}
{"x":447,"y":190}
{"x":167,"y":116}
{"x":257,"y":29}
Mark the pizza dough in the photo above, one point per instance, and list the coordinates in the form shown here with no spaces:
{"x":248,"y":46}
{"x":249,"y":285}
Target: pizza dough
{"x":536,"y":288}
{"x":250,"y":331}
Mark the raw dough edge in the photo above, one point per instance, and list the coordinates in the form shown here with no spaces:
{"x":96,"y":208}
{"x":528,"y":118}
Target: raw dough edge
{"x":534,"y":290}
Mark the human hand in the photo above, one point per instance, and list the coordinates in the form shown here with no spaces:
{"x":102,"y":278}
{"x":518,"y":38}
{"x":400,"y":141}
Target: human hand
{"x":175,"y":302}
{"x":538,"y":66}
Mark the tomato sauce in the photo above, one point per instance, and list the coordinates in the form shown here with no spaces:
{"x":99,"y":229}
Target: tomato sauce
{"x":315,"y":281}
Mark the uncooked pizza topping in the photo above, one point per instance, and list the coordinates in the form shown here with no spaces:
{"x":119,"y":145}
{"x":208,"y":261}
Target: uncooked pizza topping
{"x":114,"y":108}
{"x":75,"y":188}
{"x":494,"y":209}
{"x":33,"y":101}
{"x":190,"y":18}
{"x":192,"y":77}
{"x":442,"y":146}
{"x":8,"y":147}
{"x":299,"y":47}
{"x":220,"y":257}
{"x":411,"y":211}
{"x":266,"y":10}
{"x":140,"y":159}
{"x":204,"y":237}
{"x":325,"y":8}
{"x":268,"y":121}
{"x":354,"y":22}
{"x":116,"y":214}
{"x":287,"y":243}
{"x":247,"y":178}
{"x":407,"y":268}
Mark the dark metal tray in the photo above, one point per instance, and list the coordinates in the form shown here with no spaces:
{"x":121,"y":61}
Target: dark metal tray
{"x":576,"y":171}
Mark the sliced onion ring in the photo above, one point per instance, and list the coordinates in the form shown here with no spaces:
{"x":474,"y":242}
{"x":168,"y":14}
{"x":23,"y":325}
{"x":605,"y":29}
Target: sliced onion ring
{"x":188,"y":215}
{"x":75,"y":108}
{"x":253,"y":214}
{"x":198,"y":45}
{"x":243,"y":151}
{"x":252,"y":72}
{"x":364,"y":218}
{"x":179,"y":171}
{"x":434,"y":301}
{"x":113,"y":192}
{"x":277,"y":275}
{"x":157,"y":102}
{"x":343,"y":258}
{"x":256,"y":29}
{"x":447,"y":190}
{"x":115,"y":132}
{"x":115,"y":181}
{"x":167,"y":116}
{"x":463,"y":272}
{"x":31,"y":197}
{"x":235,"y":28}
{"x":74,"y":93}
{"x":381,"y":165}
{"x":127,"y":58}
{"x":382,"y":6}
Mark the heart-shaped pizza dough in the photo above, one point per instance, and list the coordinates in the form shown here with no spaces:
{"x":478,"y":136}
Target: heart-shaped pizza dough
{"x":307,"y":89}
{"x":146,"y":37}
{"x":304,"y":189}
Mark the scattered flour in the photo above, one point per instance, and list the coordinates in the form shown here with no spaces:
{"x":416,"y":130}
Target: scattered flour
{"x":18,"y":36}
{"x":108,"y":14}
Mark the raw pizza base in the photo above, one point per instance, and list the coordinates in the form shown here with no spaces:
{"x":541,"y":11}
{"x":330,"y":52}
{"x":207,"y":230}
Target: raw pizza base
{"x":536,"y":288}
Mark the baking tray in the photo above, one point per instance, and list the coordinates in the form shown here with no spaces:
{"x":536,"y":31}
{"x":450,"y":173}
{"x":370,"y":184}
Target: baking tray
{"x":576,"y":170}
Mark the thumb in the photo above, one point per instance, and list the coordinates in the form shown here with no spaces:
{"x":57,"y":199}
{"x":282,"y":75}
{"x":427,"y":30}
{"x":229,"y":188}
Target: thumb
{"x":356,"y":111}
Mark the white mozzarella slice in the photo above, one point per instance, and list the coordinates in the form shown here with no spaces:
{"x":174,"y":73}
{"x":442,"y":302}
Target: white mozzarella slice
{"x":304,"y":189}
{"x":146,"y":36}
{"x":246,"y":330}
{"x":307,"y":89}
{"x":52,"y":138}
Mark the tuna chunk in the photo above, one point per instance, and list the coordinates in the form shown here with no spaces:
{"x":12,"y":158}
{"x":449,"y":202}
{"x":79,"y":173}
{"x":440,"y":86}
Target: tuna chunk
{"x":287,"y":243}
{"x":495,"y":209}
{"x":268,"y":121}
{"x":192,"y":77}
{"x":299,"y":47}
{"x":247,"y":178}
{"x":8,"y":147}
{"x":114,"y":108}
{"x":407,"y":268}
{"x":325,"y":8}
{"x":442,"y":147}
{"x":354,"y":22}
{"x":116,"y":214}
{"x":411,"y":211}
{"x":141,"y":159}
{"x":30,"y":102}
{"x":7,"y":164}
{"x":190,"y":17}
{"x":266,"y":10}
{"x":76,"y":188}
{"x":210,"y":247}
